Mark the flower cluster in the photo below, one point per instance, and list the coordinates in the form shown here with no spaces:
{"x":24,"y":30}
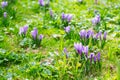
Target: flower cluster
{"x":23,"y":30}
{"x":34,"y":33}
{"x":36,"y":39}
{"x":88,"y":59}
{"x":4,"y":4}
{"x":83,"y":50}
{"x":66,"y":17}
{"x":96,"y":20}
{"x":86,"y":36}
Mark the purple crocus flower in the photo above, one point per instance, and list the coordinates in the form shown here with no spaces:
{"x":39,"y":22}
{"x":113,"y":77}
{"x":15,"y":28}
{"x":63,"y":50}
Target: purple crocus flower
{"x":85,"y":50}
{"x":105,"y":34}
{"x":91,"y":56}
{"x":5,"y":14}
{"x":98,"y":56}
{"x":41,"y":37}
{"x":67,"y":29}
{"x":83,"y":33}
{"x":69,"y":17}
{"x":95,"y":58}
{"x":51,"y":13}
{"x":96,"y":20}
{"x":23,"y":30}
{"x":63,"y":16}
{"x":78,"y":47}
{"x":90,"y":33}
{"x":99,"y":35}
{"x":4,"y":4}
{"x":41,"y":2}
{"x":34,"y":33}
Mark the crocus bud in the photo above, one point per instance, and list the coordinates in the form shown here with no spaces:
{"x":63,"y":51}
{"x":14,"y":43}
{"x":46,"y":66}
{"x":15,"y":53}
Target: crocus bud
{"x":5,"y":14}
{"x":23,"y":30}
{"x":91,"y":56}
{"x":4,"y":4}
{"x":95,"y":59}
{"x":98,"y":56}
{"x":69,"y":17}
{"x":34,"y":33}
{"x":41,"y":37}
{"x":105,"y":34}
{"x":63,"y":16}
{"x":67,"y":29}
{"x":51,"y":13}
{"x":85,"y":50}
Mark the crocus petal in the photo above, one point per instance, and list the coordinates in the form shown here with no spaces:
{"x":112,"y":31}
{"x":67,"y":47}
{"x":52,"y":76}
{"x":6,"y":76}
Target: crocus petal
{"x":5,"y":14}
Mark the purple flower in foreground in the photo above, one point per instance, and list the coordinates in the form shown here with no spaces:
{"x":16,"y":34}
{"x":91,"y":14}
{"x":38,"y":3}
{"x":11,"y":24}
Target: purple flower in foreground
{"x":5,"y":14}
{"x":78,"y":47}
{"x":41,"y":2}
{"x":105,"y":34}
{"x":34,"y":33}
{"x":82,"y":33}
{"x":41,"y":37}
{"x":4,"y":4}
{"x":67,"y":29}
{"x":23,"y":30}
{"x":98,"y":56}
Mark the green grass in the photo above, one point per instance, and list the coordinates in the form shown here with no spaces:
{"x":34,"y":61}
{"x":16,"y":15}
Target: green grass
{"x":49,"y":62}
